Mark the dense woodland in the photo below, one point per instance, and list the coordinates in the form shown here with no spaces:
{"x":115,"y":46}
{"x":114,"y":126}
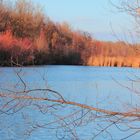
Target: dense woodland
{"x":28,"y":37}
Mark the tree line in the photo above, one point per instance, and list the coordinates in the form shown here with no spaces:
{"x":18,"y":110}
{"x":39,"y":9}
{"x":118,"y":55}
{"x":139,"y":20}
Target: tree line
{"x":28,"y":37}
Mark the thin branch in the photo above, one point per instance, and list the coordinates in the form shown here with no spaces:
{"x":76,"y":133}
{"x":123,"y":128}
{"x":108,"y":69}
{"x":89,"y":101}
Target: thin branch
{"x":108,"y":112}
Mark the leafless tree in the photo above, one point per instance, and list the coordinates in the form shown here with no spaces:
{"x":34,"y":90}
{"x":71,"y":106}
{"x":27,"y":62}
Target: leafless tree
{"x":130,"y":7}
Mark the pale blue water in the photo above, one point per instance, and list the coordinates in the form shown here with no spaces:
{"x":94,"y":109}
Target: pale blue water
{"x":95,"y":86}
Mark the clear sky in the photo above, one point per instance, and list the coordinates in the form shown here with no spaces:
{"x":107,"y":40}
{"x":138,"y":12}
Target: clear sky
{"x":97,"y":17}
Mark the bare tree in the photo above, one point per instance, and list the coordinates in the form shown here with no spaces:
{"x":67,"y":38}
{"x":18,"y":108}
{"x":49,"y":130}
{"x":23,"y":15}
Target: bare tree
{"x":130,"y":7}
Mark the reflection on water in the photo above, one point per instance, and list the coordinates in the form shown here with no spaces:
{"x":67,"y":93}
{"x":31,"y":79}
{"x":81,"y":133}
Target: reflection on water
{"x":100,"y":87}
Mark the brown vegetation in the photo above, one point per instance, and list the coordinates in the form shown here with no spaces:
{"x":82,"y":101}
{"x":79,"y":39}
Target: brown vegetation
{"x":27,"y":37}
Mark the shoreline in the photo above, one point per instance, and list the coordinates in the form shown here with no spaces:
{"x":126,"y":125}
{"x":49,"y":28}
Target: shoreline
{"x":92,"y":65}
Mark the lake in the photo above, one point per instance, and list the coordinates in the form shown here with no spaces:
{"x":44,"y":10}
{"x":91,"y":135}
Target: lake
{"x":109,"y":88}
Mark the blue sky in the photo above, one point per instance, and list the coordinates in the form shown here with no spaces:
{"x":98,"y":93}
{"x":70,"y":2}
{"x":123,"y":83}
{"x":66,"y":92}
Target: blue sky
{"x":97,"y":17}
